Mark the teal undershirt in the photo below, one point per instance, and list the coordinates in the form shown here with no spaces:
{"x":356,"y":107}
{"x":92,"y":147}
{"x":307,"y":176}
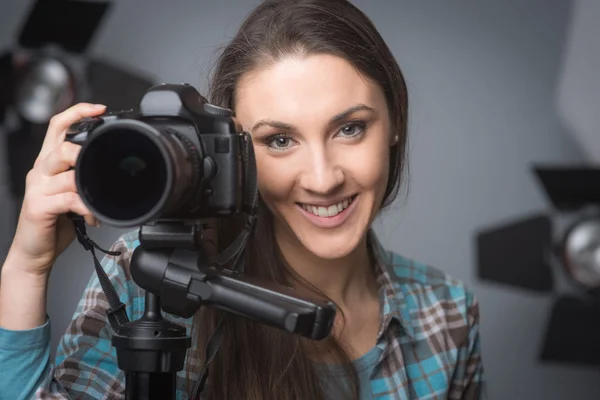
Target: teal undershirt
{"x":364,"y":366}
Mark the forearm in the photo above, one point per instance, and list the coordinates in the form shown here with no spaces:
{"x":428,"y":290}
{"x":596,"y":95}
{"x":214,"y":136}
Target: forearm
{"x":22,"y":296}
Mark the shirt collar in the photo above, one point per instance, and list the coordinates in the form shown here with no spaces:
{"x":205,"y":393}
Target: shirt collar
{"x":394,"y":305}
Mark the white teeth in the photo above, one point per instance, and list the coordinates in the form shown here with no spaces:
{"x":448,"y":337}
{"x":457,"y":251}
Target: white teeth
{"x":330,"y":211}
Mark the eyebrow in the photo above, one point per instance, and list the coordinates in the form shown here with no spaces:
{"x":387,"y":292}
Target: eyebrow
{"x":336,"y":119}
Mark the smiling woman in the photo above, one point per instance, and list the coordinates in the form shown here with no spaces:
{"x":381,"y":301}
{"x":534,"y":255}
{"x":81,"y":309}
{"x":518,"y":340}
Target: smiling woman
{"x":323,"y":137}
{"x":326,"y":104}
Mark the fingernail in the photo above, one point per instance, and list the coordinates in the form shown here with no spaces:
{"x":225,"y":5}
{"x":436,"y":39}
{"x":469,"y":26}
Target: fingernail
{"x":98,"y":106}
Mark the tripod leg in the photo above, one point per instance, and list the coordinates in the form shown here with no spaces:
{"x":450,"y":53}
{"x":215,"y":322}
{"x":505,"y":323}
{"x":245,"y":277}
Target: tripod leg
{"x":150,"y":386}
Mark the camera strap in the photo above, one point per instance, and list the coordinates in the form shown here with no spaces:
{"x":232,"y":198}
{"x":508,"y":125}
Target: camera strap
{"x":235,"y":249}
{"x":117,"y":314}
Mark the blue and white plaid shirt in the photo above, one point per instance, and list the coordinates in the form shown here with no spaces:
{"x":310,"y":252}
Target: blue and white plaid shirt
{"x":428,"y":338}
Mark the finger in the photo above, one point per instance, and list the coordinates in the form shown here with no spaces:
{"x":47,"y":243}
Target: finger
{"x":63,"y":182}
{"x":65,"y":202}
{"x":60,"y":122}
{"x":55,"y":205}
{"x":90,"y":220}
{"x":71,"y":202}
{"x":63,"y":157}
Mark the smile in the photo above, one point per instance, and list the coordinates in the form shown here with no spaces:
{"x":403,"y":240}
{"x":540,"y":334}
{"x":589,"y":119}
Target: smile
{"x":329,"y":216}
{"x":328,"y":211}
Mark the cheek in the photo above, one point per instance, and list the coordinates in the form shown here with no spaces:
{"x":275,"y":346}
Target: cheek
{"x":274,"y":177}
{"x":372,"y":174}
{"x":368,"y":166}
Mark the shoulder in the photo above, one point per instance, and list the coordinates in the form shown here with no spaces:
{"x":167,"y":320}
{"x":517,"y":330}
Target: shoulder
{"x":441,"y":316}
{"x":420,"y":279}
{"x":432,"y":300}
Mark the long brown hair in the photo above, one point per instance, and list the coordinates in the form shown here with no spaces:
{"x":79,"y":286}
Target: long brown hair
{"x":254,"y":361}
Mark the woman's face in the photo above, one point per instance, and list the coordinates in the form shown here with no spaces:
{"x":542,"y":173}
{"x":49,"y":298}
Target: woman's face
{"x":322,"y":139}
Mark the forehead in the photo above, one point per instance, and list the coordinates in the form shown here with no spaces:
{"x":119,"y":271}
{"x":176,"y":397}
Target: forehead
{"x":303,"y":88}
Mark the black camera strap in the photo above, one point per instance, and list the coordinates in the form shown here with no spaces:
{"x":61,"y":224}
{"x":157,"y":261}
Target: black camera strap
{"x":117,"y":314}
{"x":234,"y":249}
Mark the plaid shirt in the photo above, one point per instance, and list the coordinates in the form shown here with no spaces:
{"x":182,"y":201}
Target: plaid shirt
{"x":429,"y":335}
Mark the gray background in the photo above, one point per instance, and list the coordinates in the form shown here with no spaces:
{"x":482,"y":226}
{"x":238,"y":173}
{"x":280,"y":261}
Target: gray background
{"x":482,"y":78}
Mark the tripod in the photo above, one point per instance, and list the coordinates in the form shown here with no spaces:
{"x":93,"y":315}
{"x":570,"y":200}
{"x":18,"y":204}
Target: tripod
{"x":151,"y":350}
{"x":171,"y":268}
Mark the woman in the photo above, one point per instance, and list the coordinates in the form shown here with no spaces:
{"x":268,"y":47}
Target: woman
{"x":326,"y":104}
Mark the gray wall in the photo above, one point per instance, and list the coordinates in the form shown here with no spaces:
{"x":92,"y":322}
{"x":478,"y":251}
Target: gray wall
{"x":482,"y":80}
{"x":579,"y":88}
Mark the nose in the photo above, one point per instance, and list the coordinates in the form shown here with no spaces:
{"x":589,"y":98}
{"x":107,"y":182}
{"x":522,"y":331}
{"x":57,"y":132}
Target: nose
{"x":322,"y":174}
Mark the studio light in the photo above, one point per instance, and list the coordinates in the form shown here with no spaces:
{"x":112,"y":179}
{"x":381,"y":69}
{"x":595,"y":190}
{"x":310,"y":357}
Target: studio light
{"x":531,"y":252}
{"x":48,"y":70}
{"x":580,"y":252}
{"x":46,"y":86}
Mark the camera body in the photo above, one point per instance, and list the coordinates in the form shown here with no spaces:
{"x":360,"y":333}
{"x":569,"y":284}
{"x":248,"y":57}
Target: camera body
{"x":176,"y":158}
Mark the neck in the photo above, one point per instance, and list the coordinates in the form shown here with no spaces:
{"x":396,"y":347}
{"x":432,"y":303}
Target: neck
{"x":346,"y":281}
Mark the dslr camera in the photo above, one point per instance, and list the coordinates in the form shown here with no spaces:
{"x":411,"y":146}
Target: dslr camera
{"x":177,"y":157}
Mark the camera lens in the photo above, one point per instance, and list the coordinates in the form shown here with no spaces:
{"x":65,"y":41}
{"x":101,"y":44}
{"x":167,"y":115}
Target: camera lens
{"x":125,"y":174}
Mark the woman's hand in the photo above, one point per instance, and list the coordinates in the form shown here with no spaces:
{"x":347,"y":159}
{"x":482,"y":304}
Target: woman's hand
{"x":43,"y":230}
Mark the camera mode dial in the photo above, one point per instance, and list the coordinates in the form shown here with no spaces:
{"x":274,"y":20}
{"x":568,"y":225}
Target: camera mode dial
{"x":216,"y":110}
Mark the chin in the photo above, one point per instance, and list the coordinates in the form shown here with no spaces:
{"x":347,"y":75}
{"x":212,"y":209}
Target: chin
{"x":331,"y":244}
{"x":330,"y":247}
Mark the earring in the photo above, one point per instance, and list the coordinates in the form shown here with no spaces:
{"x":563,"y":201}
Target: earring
{"x":396,"y":139}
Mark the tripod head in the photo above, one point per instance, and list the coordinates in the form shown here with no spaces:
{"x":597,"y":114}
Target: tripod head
{"x":171,"y":268}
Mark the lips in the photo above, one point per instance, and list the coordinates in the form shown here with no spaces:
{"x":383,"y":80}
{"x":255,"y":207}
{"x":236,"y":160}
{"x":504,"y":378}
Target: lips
{"x":336,"y":219}
{"x":328,"y":211}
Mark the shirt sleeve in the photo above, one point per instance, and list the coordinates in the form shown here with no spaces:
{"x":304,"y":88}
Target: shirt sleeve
{"x":24,"y":361}
{"x":86,"y":363}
